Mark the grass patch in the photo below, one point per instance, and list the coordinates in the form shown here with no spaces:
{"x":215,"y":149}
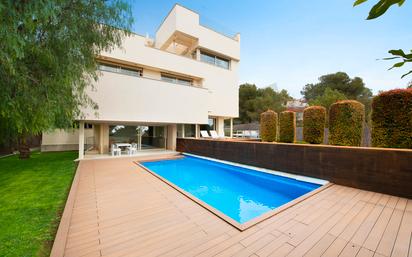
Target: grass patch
{"x":32,"y":196}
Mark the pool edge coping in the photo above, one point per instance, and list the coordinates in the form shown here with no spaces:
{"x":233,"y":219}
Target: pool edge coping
{"x":226,"y":218}
{"x":264,"y":170}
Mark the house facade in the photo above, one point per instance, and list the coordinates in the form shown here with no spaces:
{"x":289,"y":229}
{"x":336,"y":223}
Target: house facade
{"x":297,"y":106}
{"x":151,"y":91}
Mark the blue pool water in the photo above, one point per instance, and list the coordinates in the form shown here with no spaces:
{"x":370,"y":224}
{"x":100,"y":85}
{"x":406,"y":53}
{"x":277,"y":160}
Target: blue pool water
{"x":240,"y":193}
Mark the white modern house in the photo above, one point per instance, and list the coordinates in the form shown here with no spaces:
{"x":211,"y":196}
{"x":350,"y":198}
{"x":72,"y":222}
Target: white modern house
{"x":152,"y":91}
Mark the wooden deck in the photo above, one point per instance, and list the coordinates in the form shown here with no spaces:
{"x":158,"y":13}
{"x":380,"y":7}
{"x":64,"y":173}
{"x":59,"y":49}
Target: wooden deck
{"x":117,"y":209}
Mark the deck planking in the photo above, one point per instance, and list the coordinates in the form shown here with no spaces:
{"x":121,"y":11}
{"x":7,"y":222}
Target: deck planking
{"x":120,"y":209}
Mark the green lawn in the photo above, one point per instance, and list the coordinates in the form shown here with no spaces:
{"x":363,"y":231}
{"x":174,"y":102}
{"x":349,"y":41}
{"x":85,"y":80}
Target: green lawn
{"x":32,"y":197}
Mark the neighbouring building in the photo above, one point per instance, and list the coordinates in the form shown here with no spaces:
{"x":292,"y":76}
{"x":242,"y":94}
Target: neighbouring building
{"x":152,"y":91}
{"x":297,"y":106}
{"x":247,"y":130}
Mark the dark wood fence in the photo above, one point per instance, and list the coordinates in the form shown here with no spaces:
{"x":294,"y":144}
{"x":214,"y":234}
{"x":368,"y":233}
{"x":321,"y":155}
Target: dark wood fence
{"x":376,"y":169}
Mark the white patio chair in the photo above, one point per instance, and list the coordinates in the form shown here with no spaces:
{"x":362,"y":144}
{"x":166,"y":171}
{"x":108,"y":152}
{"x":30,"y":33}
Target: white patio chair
{"x":214,"y":134}
{"x":204,"y":134}
{"x":116,"y":151}
{"x":132,"y":149}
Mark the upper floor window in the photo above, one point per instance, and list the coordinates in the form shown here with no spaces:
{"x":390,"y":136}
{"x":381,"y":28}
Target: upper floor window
{"x":120,"y":69}
{"x":177,"y":80}
{"x":215,"y":60}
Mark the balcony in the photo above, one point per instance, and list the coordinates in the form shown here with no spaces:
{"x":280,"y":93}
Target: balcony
{"x":137,"y":99}
{"x":182,"y":24}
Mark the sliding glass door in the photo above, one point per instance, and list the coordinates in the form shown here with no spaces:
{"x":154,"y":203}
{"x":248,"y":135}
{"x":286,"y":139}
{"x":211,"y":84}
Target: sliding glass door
{"x":145,"y":137}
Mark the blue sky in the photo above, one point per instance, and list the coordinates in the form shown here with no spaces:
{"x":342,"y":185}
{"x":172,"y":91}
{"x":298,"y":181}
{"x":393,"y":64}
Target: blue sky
{"x":293,"y":42}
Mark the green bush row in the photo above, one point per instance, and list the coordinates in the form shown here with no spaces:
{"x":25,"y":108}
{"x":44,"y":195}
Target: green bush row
{"x":391,"y":122}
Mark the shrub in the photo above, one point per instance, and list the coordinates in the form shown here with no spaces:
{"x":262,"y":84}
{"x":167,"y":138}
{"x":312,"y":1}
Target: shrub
{"x":268,"y":126}
{"x":392,"y":119}
{"x":314,"y":118}
{"x":287,"y":126}
{"x":346,"y":120}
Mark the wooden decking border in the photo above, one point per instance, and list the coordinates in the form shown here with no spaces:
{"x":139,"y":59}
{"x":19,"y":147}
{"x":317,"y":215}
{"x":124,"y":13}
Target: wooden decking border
{"x":224,"y":217}
{"x":59,"y":244}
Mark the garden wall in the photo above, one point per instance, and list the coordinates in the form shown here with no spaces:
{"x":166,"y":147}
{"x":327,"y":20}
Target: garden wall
{"x":381,"y":170}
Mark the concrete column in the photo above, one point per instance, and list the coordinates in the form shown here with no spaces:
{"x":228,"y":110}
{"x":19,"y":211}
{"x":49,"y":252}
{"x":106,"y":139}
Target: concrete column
{"x":198,"y":54}
{"x":197,"y":131}
{"x":183,"y":131}
{"x":104,"y":138}
{"x":101,"y":140}
{"x":171,"y":137}
{"x":220,"y":126}
{"x":231,"y":128}
{"x":97,"y":136}
{"x":81,"y":140}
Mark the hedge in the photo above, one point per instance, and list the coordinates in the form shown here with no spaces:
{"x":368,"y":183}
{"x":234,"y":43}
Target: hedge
{"x":346,"y":120}
{"x":392,"y":119}
{"x":268,"y":126}
{"x":287,"y":126}
{"x":314,"y":118}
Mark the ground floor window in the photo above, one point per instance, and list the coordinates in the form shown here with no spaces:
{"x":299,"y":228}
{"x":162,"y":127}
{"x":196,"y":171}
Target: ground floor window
{"x":123,"y":134}
{"x":210,"y":126}
{"x":190,"y":130}
{"x":180,"y":130}
{"x":227,"y":127}
{"x":146,"y":137}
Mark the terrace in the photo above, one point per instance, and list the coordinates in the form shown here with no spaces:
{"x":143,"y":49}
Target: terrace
{"x":116,"y":208}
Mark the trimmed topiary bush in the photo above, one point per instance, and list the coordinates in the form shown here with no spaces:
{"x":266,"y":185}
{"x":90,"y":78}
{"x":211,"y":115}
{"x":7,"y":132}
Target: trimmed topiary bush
{"x":268,"y":126}
{"x":287,"y":126}
{"x":314,"y":118}
{"x":392,"y":119}
{"x":346,"y":119}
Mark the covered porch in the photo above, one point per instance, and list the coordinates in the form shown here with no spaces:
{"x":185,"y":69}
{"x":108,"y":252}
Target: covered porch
{"x":122,"y":139}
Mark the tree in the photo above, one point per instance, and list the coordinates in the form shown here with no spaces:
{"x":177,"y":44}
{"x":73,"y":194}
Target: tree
{"x":247,"y":99}
{"x":351,"y":88}
{"x":340,"y":81}
{"x":253,"y":101}
{"x":378,"y":10}
{"x":329,"y":97}
{"x":47,"y":59}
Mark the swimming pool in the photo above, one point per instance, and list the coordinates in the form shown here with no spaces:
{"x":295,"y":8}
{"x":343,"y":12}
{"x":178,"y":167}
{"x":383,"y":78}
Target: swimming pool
{"x":242,"y":194}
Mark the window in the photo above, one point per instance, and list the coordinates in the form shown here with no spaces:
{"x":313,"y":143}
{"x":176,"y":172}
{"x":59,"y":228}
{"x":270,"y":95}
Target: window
{"x":190,"y":130}
{"x":215,"y":60}
{"x":186,"y":130}
{"x":88,"y":126}
{"x":119,"y":69}
{"x":180,"y":130}
{"x":176,"y":80}
{"x":210,"y":126}
{"x":204,"y":57}
{"x":227,"y":127}
{"x":75,"y":125}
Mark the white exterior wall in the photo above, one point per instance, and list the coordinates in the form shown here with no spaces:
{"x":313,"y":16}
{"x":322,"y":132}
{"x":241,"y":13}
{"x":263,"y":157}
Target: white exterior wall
{"x":123,"y":98}
{"x":221,"y":83}
{"x":60,"y":140}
